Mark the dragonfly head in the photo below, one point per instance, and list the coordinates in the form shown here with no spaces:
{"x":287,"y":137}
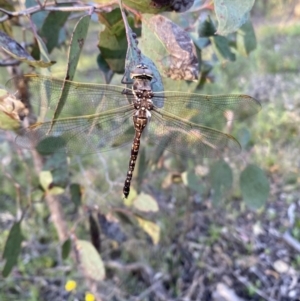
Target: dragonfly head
{"x":141,"y":71}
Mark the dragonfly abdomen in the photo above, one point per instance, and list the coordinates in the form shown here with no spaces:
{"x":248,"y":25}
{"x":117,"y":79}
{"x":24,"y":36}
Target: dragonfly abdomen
{"x":139,"y":125}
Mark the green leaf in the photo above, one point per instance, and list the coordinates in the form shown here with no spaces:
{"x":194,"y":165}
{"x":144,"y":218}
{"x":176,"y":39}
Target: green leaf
{"x":192,"y":181}
{"x":113,"y":42}
{"x":255,"y":186}
{"x":231,"y":14}
{"x":66,"y":248}
{"x":76,"y":194}
{"x":12,"y":248}
{"x":221,"y":180}
{"x":39,"y":17}
{"x":46,"y":179}
{"x":51,"y":28}
{"x":246,"y":40}
{"x":145,"y":203}
{"x":244,"y":136}
{"x":90,"y":261}
{"x":77,"y":42}
{"x":58,"y":165}
{"x":104,"y":68}
{"x":51,"y":145}
{"x":206,"y":28}
{"x":222,"y":49}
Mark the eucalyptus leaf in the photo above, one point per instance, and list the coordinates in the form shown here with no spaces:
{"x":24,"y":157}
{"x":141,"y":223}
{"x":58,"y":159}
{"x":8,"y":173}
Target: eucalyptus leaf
{"x":77,"y":42}
{"x":221,"y":178}
{"x":12,"y":248}
{"x":51,"y":28}
{"x":51,"y":145}
{"x":255,"y":186}
{"x":232,"y":14}
{"x":66,"y":248}
{"x":90,"y":260}
{"x":113,"y":41}
{"x":192,"y":181}
{"x":222,"y":49}
{"x":58,"y":165}
{"x":145,"y":203}
{"x":76,"y":194}
{"x":246,"y":40}
{"x":39,"y":17}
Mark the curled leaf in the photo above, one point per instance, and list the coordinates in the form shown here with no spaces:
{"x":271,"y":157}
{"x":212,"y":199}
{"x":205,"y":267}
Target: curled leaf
{"x":175,"y":51}
{"x":12,"y":111}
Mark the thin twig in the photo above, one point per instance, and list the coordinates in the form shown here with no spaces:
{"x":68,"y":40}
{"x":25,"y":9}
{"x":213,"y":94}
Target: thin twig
{"x":9,"y":63}
{"x":152,"y":289}
{"x":51,"y":6}
{"x":291,"y":241}
{"x":259,"y":292}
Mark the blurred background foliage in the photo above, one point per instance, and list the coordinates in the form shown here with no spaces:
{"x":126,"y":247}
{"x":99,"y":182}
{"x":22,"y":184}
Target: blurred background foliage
{"x":176,"y":210}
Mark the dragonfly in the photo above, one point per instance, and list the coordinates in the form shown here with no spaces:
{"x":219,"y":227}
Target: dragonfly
{"x":98,"y":117}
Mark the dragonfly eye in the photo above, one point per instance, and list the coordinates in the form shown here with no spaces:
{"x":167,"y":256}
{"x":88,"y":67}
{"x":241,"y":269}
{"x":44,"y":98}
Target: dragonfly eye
{"x":142,"y":71}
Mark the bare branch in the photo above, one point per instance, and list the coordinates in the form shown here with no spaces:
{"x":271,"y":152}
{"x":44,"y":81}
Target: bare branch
{"x":52,"y":6}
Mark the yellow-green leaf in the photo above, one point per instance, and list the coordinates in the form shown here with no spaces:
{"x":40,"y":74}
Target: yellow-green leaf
{"x":90,"y":260}
{"x":150,"y":228}
{"x":56,"y":190}
{"x":146,"y":203}
{"x":46,"y":179}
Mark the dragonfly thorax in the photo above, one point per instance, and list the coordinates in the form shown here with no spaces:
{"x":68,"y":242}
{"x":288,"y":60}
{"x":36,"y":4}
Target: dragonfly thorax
{"x":142,"y":90}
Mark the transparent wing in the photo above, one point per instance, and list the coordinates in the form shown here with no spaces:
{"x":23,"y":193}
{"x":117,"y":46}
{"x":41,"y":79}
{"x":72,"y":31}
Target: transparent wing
{"x":209,"y":110}
{"x":188,"y":139}
{"x":83,"y":99}
{"x":81,"y":135}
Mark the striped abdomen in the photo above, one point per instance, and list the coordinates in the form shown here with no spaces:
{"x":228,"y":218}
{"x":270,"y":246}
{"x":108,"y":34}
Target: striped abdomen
{"x":139,"y":125}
